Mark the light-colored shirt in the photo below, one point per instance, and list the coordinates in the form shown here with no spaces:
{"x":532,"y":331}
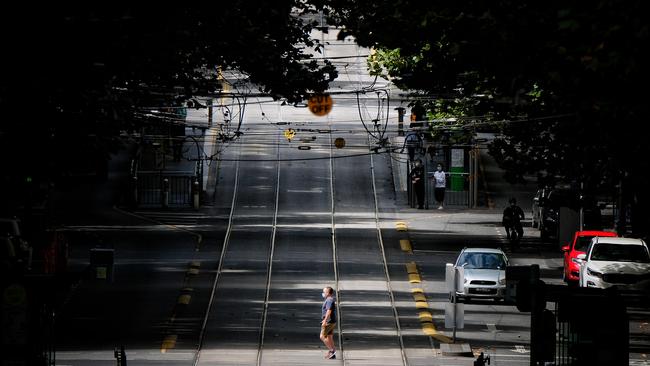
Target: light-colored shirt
{"x":441,"y":179}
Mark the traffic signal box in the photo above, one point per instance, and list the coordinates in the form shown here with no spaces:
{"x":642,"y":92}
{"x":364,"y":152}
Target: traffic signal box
{"x":588,"y":326}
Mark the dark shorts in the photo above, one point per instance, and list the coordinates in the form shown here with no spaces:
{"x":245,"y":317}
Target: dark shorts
{"x":327,"y":330}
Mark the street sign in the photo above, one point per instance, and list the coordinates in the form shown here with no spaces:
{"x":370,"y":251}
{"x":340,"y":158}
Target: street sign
{"x":289,"y":133}
{"x":320,"y":104}
{"x":339,"y":143}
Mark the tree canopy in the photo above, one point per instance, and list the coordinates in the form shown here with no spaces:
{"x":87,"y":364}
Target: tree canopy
{"x":72,"y":76}
{"x":568,"y":79}
{"x":572,"y":74}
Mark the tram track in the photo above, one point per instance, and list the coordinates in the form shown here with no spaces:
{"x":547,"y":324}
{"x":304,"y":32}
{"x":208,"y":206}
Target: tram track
{"x":271,"y":293}
{"x":241,"y":224}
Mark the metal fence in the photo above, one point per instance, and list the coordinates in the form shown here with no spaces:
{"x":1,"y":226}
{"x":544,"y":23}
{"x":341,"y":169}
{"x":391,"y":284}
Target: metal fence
{"x":164,"y":188}
{"x":452,"y":198}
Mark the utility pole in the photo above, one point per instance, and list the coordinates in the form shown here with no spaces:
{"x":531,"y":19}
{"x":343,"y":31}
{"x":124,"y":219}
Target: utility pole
{"x":400,"y":120}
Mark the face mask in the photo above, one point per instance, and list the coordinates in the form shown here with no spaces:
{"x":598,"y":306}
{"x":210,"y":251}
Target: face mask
{"x":324,"y":295}
{"x":439,"y":169}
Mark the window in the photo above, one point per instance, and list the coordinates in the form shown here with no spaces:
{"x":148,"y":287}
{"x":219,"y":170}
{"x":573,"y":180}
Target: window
{"x":620,"y":253}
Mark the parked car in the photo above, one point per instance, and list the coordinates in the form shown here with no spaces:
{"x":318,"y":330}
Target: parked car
{"x":484,"y":273}
{"x":614,"y":261}
{"x":581,"y":240}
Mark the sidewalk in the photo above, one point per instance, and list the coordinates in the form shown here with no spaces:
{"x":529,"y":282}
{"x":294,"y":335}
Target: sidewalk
{"x":435,"y":236}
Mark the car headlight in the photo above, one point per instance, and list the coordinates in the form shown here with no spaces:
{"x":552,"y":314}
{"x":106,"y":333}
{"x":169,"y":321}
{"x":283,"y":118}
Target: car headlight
{"x":591,"y":272}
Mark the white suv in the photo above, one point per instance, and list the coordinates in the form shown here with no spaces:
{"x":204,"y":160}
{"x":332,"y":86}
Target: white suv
{"x":614,"y":261}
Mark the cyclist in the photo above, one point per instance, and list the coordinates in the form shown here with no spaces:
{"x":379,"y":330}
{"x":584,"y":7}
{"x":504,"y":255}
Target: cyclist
{"x":512,"y":216}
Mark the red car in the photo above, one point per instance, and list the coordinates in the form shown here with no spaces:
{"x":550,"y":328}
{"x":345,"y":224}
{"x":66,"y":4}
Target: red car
{"x":581,"y":241}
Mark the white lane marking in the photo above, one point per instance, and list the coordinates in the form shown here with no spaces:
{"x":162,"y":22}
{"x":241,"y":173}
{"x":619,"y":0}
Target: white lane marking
{"x":520,"y":349}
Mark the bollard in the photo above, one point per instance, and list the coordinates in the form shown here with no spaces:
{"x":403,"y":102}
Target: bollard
{"x":165,"y":193}
{"x":195,"y":194}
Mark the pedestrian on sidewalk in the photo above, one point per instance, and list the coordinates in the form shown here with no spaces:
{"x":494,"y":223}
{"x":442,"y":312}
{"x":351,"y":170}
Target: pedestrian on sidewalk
{"x":328,"y":322}
{"x":417,"y":179}
{"x":440,"y":185}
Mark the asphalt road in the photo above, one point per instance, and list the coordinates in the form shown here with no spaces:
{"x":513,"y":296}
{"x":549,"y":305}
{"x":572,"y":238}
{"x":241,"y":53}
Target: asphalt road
{"x":238,"y":282}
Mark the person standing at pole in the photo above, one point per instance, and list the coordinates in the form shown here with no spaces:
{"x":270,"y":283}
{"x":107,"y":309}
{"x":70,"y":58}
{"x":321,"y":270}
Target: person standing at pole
{"x":440,"y":185}
{"x":417,"y":179}
{"x":328,"y":322}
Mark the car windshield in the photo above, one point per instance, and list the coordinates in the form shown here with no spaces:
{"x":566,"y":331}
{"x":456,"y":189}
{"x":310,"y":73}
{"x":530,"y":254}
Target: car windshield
{"x":620,"y":253}
{"x":476,"y":260}
{"x":582,"y":243}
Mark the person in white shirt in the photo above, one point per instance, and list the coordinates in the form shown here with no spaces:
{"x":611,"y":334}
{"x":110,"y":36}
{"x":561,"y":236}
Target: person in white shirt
{"x":440,"y":185}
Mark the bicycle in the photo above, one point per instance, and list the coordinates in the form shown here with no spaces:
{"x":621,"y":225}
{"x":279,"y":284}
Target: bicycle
{"x":515,"y":237}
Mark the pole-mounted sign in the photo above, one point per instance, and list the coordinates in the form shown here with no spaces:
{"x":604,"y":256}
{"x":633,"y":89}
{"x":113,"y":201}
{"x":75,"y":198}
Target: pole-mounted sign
{"x":320,"y":104}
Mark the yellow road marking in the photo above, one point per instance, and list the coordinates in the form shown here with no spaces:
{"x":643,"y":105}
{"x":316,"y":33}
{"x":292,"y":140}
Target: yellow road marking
{"x":420,"y":297}
{"x":421,"y":305}
{"x":414,"y":278}
{"x":168,"y":343}
{"x":425,"y":316}
{"x":417,"y":290}
{"x":405,"y":244}
{"x":184,"y":299}
{"x":411,"y":267}
{"x":442,"y":338}
{"x":401,"y":226}
{"x":429,"y":329}
{"x":193,"y":271}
